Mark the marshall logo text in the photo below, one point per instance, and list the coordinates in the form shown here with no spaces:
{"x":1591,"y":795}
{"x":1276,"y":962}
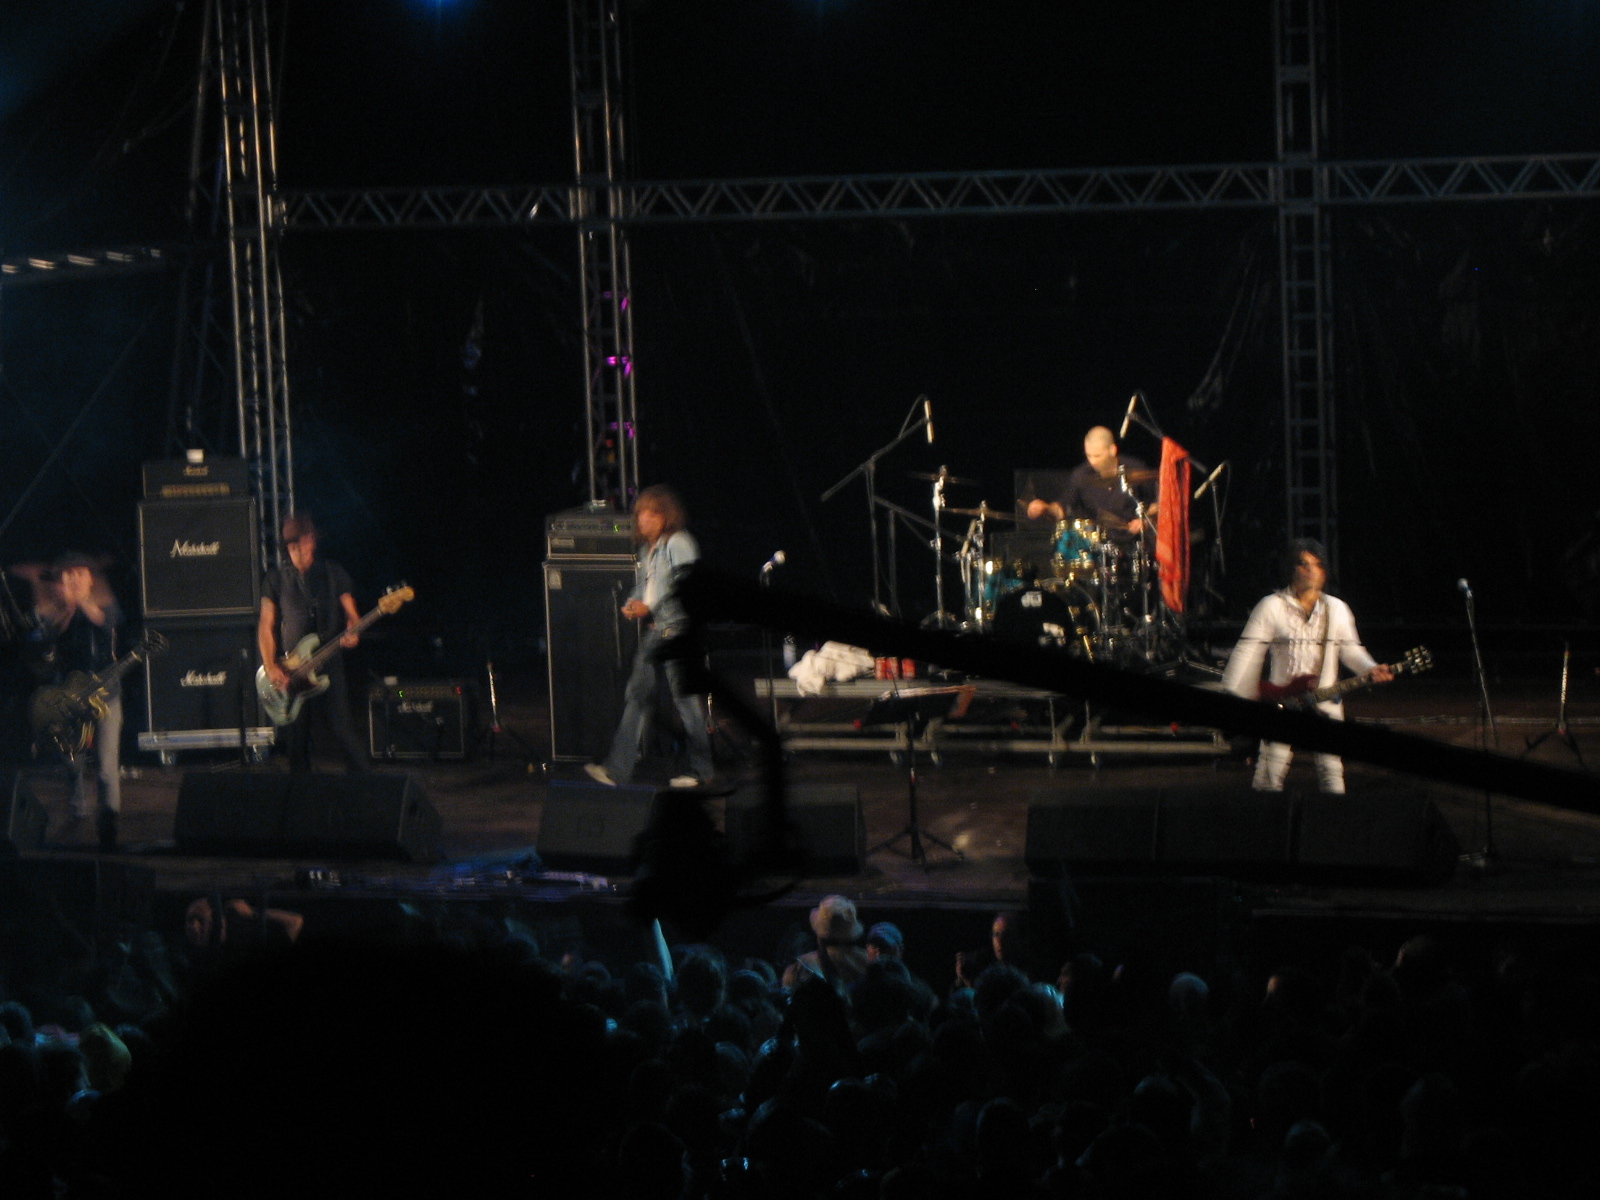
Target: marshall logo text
{"x":195,"y":549}
{"x":205,"y":679}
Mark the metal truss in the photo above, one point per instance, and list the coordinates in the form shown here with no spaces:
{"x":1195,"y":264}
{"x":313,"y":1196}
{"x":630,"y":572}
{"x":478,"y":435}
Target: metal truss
{"x":594,"y":29}
{"x":1305,"y":274}
{"x":76,"y":264}
{"x":247,"y":204}
{"x":952,"y":193}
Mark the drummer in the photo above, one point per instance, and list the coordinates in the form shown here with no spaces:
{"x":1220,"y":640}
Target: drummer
{"x":1094,"y":489}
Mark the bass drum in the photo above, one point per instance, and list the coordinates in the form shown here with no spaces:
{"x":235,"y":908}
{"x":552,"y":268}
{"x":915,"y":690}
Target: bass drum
{"x":1050,"y":614}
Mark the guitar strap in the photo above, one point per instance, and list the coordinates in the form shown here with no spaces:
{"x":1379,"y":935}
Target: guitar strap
{"x":1327,"y":641}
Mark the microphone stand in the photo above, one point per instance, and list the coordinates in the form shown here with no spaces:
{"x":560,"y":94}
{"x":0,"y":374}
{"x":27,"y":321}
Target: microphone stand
{"x":1560,"y":729}
{"x":766,"y":648}
{"x":1485,"y":860}
{"x":868,"y":470}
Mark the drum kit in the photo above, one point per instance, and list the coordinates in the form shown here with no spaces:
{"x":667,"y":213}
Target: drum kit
{"x":1087,"y":586}
{"x":1084,"y":586}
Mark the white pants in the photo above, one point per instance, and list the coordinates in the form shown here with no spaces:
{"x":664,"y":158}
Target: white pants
{"x":1273,"y":759}
{"x":108,"y":756}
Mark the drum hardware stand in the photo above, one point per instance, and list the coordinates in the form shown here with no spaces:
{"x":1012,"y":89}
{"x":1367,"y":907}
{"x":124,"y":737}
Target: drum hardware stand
{"x":913,"y":712}
{"x":1559,"y":730}
{"x":941,"y":619}
{"x":868,"y":470}
{"x":1485,"y":861}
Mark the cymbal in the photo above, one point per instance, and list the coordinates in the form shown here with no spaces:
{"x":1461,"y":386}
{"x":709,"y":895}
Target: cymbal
{"x":944,"y":476}
{"x":993,"y":514}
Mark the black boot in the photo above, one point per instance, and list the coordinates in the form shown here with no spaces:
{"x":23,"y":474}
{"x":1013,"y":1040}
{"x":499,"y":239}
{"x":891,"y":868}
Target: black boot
{"x":106,"y":826}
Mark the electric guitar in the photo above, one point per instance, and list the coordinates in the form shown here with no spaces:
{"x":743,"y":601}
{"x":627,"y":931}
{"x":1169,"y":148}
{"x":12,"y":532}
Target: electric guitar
{"x":1302,"y":691}
{"x":63,"y":715}
{"x":283,"y":705}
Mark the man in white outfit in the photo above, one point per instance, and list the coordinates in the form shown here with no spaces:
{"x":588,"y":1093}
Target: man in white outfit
{"x":1300,"y":631}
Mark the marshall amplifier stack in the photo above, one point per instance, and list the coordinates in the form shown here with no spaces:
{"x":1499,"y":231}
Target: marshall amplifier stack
{"x":588,"y":575}
{"x":199,"y":580}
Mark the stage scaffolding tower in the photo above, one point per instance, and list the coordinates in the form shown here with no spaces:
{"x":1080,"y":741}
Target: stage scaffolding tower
{"x":594,"y":30}
{"x":230,"y":357}
{"x":1305,"y":267}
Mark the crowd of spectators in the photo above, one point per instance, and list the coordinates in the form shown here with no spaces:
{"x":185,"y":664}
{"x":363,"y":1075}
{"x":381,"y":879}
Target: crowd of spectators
{"x":459,"y":1060}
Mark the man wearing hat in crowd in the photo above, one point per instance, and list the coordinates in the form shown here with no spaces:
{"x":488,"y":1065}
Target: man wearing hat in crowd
{"x":838,"y":957}
{"x":310,"y":595}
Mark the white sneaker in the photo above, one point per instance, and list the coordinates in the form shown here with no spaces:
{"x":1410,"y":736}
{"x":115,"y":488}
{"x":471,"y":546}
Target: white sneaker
{"x":683,"y":781}
{"x":599,"y":774}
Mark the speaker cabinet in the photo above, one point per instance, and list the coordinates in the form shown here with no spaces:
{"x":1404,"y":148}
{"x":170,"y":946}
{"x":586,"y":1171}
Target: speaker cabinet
{"x":25,"y":817}
{"x":418,"y":720}
{"x":828,"y":823}
{"x":198,"y":558}
{"x":589,"y":827}
{"x":337,"y":816}
{"x":1392,"y":834}
{"x":208,"y":670}
{"x":590,"y":649}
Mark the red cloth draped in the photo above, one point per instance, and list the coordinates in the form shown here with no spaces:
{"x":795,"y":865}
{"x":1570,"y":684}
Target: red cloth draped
{"x":1172,"y":524}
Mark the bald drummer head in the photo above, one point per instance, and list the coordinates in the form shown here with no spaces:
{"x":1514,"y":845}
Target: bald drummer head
{"x":1100,"y":449}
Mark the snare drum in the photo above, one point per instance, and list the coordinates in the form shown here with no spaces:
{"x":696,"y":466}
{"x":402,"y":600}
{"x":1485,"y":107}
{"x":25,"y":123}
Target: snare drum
{"x":1077,"y":552}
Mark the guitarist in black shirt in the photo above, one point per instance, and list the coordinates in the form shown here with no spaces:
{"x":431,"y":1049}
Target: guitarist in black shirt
{"x":77,"y":629}
{"x":310,"y":595}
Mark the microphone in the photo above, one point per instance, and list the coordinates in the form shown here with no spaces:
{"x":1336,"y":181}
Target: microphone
{"x":777,"y":560}
{"x":1464,"y":588}
{"x":1210,"y":479}
{"x":1133,"y":403}
{"x":927,"y":417}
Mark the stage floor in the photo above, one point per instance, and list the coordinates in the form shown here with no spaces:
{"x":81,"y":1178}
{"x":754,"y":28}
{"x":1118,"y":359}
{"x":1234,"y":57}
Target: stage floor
{"x":977,"y":801}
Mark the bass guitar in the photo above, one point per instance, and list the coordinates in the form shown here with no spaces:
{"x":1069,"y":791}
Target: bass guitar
{"x":63,"y":715}
{"x":1302,"y":691}
{"x":283,"y":705}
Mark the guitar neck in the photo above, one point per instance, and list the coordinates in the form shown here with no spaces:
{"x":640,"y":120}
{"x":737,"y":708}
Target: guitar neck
{"x":1354,"y":684}
{"x":121,"y":667}
{"x":333,"y":647}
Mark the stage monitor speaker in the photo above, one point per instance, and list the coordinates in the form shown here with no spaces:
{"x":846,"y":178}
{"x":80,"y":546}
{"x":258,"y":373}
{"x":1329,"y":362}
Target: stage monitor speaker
{"x":418,"y":720}
{"x":207,"y":671}
{"x":362,"y":816}
{"x":25,"y":816}
{"x":828,"y":823}
{"x":1391,"y":831}
{"x":198,"y":558}
{"x":590,"y":827}
{"x":337,"y":816}
{"x":1392,"y":834}
{"x":590,"y":647}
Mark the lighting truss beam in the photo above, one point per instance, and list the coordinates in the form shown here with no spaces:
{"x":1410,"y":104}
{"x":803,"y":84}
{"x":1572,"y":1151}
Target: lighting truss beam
{"x":77,"y":264}
{"x":953,"y":193}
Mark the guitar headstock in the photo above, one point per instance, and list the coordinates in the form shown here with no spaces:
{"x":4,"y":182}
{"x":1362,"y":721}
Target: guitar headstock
{"x":1417,"y":660}
{"x":395,"y":597}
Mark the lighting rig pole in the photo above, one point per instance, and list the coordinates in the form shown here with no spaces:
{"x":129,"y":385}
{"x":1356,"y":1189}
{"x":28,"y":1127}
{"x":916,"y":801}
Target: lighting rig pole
{"x":1305,"y":269}
{"x":230,"y":356}
{"x":594,"y":29}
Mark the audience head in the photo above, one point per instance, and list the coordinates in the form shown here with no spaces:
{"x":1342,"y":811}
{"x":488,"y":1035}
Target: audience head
{"x":885,"y":941}
{"x":835,"y":923}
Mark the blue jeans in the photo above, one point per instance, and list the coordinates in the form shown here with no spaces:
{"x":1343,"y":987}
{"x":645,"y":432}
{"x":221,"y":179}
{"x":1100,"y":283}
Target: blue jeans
{"x":640,"y":697}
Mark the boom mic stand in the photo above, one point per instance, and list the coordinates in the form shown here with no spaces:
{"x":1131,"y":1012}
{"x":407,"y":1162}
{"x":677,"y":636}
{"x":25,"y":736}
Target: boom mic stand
{"x":868,"y":470}
{"x":1485,"y":860}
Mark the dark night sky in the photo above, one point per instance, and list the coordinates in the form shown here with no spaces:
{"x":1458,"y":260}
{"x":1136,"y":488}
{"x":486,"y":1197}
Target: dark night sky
{"x":775,"y":357}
